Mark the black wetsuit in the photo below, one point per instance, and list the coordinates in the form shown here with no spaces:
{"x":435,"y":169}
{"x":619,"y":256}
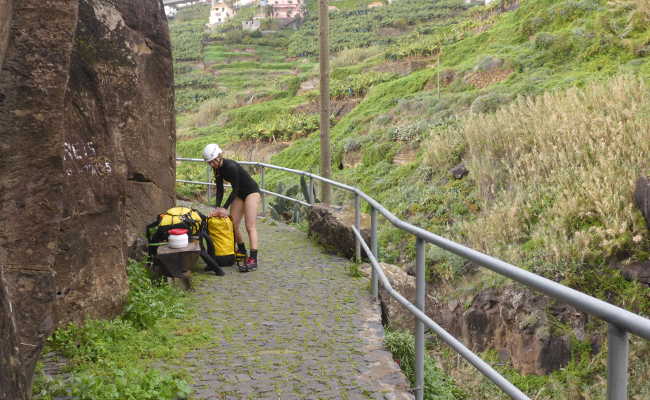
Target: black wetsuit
{"x":241,"y":182}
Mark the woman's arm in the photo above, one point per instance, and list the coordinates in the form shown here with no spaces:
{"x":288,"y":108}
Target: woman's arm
{"x":219,"y":196}
{"x":233,"y":178}
{"x":219,"y":212}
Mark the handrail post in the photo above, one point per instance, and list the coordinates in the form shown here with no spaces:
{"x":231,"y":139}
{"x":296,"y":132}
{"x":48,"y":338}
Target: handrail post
{"x":357,"y":224}
{"x":617,"y":362}
{"x":209,"y":169}
{"x":375,"y":251}
{"x":311,"y":199}
{"x":420,"y":289}
{"x":262,"y":193}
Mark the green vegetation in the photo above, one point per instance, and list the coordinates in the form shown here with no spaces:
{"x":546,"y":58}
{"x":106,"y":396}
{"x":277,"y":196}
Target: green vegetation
{"x":574,"y":381}
{"x":544,"y":101}
{"x":436,"y":385}
{"x":112,"y":359}
{"x":372,"y":27}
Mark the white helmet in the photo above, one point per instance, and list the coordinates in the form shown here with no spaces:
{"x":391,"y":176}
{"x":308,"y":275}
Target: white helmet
{"x":211,"y":151}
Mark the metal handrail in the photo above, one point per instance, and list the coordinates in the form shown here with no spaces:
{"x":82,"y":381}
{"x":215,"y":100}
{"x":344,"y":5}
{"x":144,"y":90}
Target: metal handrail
{"x":620,"y":320}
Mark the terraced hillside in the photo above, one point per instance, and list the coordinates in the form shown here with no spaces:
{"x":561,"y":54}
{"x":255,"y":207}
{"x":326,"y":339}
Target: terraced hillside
{"x":540,"y":108}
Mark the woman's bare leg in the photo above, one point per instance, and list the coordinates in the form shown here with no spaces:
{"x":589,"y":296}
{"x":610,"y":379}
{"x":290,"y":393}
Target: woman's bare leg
{"x":250,"y":216}
{"x":237,"y":212}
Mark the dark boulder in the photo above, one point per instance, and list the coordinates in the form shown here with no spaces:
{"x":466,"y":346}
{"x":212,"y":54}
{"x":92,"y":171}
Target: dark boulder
{"x":332,"y":229}
{"x":118,"y":153}
{"x":642,"y":197}
{"x":637,"y":271}
{"x":459,"y":171}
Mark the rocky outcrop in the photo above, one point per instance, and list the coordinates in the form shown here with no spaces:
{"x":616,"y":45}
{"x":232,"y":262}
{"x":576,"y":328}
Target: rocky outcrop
{"x":459,"y":171}
{"x":6,"y":11}
{"x":86,"y":109}
{"x":331,"y":227}
{"x":512,"y":320}
{"x":26,"y":320}
{"x":118,"y":151}
{"x":642,"y":197}
{"x":636,"y":271}
{"x":517,"y":323}
{"x":35,"y":49}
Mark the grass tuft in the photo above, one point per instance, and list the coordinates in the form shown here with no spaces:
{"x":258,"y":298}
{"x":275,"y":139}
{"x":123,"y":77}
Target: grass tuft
{"x":111,"y":360}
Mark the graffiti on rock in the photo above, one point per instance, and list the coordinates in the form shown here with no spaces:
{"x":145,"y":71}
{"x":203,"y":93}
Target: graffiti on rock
{"x":81,"y":159}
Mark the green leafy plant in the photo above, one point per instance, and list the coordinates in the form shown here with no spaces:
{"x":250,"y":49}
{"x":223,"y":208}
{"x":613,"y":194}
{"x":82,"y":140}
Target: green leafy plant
{"x":110,"y":360}
{"x":437,"y":386}
{"x":148,"y":302}
{"x":286,"y":210}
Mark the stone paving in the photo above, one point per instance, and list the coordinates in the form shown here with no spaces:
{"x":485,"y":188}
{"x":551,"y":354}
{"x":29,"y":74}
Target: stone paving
{"x":297,"y":328}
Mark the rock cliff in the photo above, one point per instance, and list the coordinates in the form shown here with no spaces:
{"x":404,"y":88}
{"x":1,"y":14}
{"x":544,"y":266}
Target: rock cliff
{"x":88,"y":137}
{"x":118,"y":154}
{"x":516,"y":322}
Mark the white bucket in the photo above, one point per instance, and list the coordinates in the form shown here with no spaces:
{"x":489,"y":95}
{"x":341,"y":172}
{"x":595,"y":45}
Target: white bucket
{"x":178,"y":241}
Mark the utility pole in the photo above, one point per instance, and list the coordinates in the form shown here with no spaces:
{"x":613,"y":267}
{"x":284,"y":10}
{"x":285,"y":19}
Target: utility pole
{"x":325,"y":155}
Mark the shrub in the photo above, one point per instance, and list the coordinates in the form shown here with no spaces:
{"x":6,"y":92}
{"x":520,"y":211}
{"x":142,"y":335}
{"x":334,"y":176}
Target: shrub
{"x":283,"y":127}
{"x":445,"y":148}
{"x":437,"y":386}
{"x":357,"y":85}
{"x":488,"y":103}
{"x":411,"y":133}
{"x":354,"y":56}
{"x":351,"y":144}
{"x":148,"y":303}
{"x":210,"y":109}
{"x":545,"y":40}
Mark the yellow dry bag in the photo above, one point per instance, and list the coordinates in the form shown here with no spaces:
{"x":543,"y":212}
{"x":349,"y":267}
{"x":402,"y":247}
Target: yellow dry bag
{"x":222,"y":234}
{"x":183,"y":216}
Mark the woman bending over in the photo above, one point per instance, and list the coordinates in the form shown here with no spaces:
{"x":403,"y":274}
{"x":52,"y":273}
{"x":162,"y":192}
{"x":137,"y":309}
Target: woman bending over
{"x":243,"y":202}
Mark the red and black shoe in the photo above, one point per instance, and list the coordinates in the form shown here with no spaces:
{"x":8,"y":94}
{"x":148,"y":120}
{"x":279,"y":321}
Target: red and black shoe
{"x":251,"y":264}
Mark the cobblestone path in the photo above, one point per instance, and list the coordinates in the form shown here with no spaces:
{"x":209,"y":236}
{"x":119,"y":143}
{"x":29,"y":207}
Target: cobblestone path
{"x":297,"y":328}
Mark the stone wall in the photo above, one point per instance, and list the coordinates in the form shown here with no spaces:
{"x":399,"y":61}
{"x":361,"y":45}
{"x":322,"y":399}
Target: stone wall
{"x":331,"y":227}
{"x":88,"y":137}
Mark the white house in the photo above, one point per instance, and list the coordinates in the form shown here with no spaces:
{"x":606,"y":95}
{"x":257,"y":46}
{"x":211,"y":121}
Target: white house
{"x":170,"y":12}
{"x":484,"y":2}
{"x":252,"y":25}
{"x":244,"y":3}
{"x":286,"y":9}
{"x":220,"y":12}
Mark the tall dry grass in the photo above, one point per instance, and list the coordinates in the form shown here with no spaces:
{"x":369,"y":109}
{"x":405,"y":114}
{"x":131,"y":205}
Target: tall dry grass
{"x":556,"y":173}
{"x":348,"y":57}
{"x":210,"y":109}
{"x":643,"y":6}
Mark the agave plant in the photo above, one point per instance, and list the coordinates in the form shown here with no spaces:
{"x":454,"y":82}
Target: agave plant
{"x":289,"y":211}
